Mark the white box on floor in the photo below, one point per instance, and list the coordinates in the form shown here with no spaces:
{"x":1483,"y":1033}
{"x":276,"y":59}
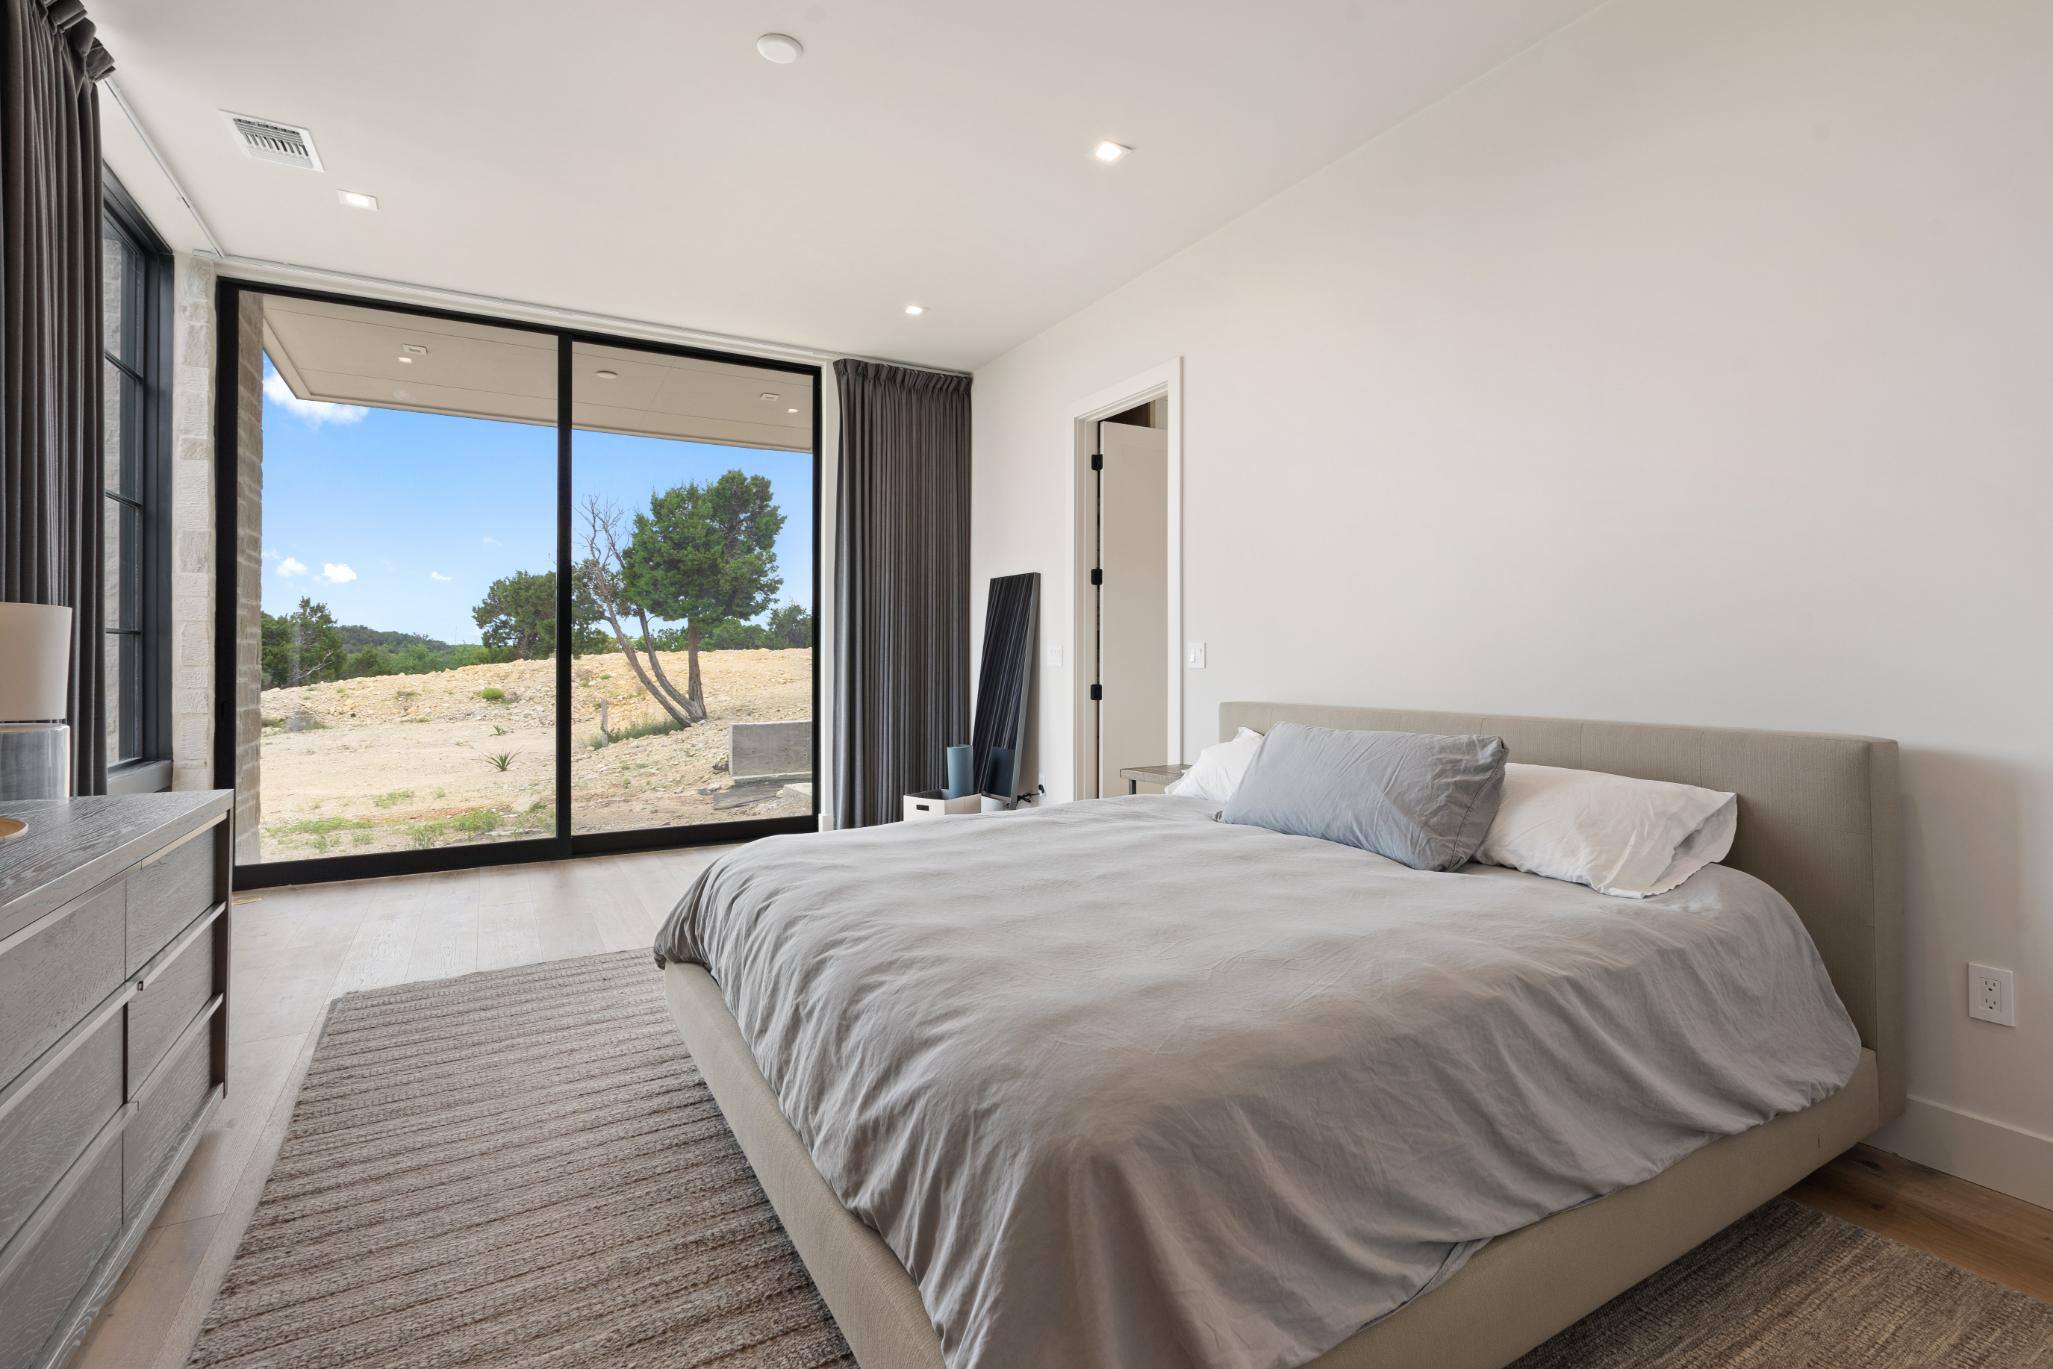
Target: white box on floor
{"x":928,"y":803}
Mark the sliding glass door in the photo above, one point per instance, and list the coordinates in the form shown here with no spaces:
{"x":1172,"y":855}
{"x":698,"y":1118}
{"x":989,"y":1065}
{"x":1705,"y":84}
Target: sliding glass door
{"x":497,"y":592}
{"x":692,"y":527}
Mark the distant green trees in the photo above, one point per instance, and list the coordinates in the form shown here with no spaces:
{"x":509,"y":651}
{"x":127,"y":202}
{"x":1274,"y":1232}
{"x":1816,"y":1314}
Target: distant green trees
{"x":302,"y":647}
{"x":307,"y":646}
{"x":518,"y":616}
{"x":701,"y":559}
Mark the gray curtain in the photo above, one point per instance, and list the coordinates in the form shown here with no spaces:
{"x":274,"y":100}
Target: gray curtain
{"x":50,"y":472}
{"x":901,"y":586}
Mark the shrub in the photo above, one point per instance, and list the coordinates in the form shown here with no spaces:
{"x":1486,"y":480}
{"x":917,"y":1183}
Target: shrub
{"x":500,"y":761}
{"x":392,"y":797}
{"x":492,"y":694}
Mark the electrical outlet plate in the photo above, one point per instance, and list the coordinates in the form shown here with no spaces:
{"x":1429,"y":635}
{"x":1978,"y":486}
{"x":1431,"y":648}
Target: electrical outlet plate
{"x":1991,"y":995}
{"x":1194,"y":655}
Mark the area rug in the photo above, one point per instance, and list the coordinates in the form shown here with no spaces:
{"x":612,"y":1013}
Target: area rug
{"x":523,"y":1167}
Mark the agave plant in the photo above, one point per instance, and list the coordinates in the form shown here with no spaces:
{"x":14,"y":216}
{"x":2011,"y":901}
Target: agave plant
{"x":500,"y":761}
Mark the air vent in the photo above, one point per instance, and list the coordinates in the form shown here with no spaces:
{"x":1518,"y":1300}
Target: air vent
{"x":274,"y":142}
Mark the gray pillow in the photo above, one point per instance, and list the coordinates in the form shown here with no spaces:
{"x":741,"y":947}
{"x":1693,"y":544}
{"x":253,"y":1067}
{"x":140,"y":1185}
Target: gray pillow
{"x":1421,"y":800}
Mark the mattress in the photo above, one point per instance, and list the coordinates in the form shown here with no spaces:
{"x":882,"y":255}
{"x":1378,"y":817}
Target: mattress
{"x":1121,"y":1085}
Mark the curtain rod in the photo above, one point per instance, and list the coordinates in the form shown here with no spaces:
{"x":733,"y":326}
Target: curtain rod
{"x":170,"y":176}
{"x":260,"y":271}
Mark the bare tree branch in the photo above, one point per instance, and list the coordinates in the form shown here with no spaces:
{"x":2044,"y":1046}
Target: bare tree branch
{"x":600,"y":523}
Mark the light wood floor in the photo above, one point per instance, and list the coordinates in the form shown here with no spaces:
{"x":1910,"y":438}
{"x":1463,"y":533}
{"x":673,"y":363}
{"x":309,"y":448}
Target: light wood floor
{"x":295,"y":949}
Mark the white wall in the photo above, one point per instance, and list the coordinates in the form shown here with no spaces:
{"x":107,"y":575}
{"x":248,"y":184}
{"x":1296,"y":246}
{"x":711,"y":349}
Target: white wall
{"x":1695,"y":366}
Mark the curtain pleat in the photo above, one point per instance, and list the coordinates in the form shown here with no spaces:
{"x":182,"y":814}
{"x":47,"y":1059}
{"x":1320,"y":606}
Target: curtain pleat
{"x":901,"y":577}
{"x":51,"y":540}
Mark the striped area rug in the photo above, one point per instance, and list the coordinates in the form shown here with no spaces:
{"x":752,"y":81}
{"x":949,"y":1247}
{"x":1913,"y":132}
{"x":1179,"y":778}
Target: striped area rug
{"x":523,"y":1168}
{"x":520,"y":1167}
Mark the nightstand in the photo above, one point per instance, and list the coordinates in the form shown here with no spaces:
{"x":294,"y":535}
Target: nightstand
{"x":1138,"y":775}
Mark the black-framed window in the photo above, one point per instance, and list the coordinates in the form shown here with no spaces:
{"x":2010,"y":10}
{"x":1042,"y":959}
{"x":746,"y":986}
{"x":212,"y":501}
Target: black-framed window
{"x":136,"y":431}
{"x":359,"y":471}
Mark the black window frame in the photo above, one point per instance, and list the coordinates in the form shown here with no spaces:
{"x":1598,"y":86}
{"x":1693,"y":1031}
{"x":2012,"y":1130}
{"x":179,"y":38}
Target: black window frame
{"x":145,"y":696}
{"x":565,"y":844}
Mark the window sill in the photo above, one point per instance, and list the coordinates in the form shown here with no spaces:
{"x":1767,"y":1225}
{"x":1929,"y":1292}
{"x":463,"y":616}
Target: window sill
{"x":139,"y":777}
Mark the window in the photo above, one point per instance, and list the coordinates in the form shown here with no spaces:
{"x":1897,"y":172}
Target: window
{"x":520,"y":593}
{"x":136,"y":426}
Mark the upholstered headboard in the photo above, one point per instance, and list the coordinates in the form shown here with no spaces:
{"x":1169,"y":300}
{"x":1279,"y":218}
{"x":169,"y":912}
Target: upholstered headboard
{"x":1819,"y":819}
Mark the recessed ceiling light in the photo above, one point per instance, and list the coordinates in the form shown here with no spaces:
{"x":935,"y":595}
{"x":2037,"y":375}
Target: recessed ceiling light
{"x":404,"y":360}
{"x":1109,"y":151}
{"x":769,"y":396}
{"x":781,"y":48}
{"x":356,"y":199}
{"x":607,"y":375}
{"x":915,"y":309}
{"x":791,"y":411}
{"x":413,"y":349}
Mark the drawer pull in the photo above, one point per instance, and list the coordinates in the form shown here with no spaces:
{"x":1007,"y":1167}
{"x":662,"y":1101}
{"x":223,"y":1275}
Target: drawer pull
{"x":192,"y":1028}
{"x":161,"y":961}
{"x":62,"y":1049}
{"x":53,"y":1201}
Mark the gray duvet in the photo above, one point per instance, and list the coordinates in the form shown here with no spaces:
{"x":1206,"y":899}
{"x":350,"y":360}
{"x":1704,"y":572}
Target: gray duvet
{"x":1125,"y":1086}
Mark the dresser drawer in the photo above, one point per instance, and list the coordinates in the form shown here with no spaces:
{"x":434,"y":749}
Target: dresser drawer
{"x":173,"y":1098}
{"x":43,"y":1278}
{"x":171,"y":995}
{"x":167,"y":891}
{"x":56,"y":971}
{"x":49,"y":1125}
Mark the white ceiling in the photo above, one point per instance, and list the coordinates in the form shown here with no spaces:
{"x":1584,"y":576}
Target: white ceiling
{"x":638,"y":159}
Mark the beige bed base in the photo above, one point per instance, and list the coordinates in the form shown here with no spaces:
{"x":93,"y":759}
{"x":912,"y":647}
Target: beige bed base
{"x":1519,"y":1290}
{"x":1818,"y":820}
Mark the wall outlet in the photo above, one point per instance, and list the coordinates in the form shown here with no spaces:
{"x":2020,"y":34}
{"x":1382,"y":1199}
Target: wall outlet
{"x":1991,"y":995}
{"x":1194,"y":655}
{"x":1051,"y":656}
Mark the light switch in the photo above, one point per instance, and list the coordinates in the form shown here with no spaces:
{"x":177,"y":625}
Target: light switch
{"x":1194,"y":655}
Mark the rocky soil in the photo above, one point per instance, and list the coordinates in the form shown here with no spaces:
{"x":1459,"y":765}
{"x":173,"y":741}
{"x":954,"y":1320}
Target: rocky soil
{"x":402,"y":761}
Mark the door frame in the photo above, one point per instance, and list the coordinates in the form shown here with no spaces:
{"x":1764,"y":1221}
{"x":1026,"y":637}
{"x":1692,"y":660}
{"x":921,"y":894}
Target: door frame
{"x":1164,"y":382}
{"x":564,"y":843}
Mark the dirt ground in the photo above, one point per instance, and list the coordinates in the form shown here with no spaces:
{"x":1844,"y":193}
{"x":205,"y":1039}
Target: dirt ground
{"x":395,"y":762}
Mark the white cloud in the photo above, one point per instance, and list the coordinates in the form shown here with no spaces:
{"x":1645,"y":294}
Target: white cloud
{"x":292,"y":565}
{"x":312,"y":412}
{"x":336,"y":573}
{"x":270,"y":555}
{"x":492,"y":541}
{"x":438,"y":575}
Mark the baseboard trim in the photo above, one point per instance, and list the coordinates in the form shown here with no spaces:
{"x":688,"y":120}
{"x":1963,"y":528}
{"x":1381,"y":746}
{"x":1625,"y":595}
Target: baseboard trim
{"x":1979,"y":1149}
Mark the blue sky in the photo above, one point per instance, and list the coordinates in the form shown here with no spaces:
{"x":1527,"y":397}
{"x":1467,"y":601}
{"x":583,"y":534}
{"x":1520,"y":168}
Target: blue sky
{"x":400,"y":520}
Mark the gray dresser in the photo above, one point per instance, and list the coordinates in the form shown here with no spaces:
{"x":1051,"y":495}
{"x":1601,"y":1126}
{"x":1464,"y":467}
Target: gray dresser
{"x":113,"y":1042}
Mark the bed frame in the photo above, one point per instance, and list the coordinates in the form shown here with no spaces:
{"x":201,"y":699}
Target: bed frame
{"x":1819,"y":820}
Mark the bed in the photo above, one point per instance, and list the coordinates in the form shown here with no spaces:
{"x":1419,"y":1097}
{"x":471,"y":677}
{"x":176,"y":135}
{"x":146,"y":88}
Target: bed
{"x":839,"y":1092}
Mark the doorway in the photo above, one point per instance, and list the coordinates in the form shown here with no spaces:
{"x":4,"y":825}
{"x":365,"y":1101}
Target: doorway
{"x":1128,"y":672}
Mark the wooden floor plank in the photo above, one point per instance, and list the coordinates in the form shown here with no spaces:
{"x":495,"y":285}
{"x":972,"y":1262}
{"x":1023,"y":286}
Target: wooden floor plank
{"x":131,"y":1329}
{"x":445,"y":940}
{"x":2004,"y":1239}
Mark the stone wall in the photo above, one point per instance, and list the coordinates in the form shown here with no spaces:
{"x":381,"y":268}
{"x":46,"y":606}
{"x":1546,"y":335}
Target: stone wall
{"x":192,"y":525}
{"x":249,"y":573}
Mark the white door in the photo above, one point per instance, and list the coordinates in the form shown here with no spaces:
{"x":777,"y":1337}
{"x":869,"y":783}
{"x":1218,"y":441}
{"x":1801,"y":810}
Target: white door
{"x":1133,"y":601}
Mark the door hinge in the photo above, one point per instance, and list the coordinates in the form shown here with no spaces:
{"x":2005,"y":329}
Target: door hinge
{"x":1097,"y":575}
{"x":1097,"y":461}
{"x":1097,"y":693}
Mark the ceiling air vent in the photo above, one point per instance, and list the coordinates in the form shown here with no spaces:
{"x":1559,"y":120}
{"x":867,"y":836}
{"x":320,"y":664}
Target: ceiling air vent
{"x":269,"y":141}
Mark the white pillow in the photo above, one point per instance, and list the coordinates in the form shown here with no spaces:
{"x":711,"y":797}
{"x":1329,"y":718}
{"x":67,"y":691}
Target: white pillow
{"x":1633,"y":838}
{"x":1219,"y":768}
